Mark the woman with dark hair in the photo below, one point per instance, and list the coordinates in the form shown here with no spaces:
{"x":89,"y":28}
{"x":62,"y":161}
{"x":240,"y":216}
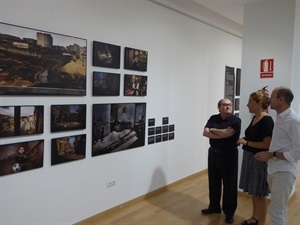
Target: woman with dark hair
{"x":257,"y":138}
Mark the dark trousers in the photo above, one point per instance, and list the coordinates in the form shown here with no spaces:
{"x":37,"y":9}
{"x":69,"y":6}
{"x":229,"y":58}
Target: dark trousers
{"x":223,"y":169}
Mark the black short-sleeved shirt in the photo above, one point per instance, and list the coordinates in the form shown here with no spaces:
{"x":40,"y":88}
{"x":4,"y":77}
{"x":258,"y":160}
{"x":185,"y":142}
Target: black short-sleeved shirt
{"x":257,"y":132}
{"x":216,"y":121}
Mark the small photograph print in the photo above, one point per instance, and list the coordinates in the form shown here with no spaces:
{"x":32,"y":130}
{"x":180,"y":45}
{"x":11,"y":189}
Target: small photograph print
{"x":165,"y":129}
{"x":135,"y":59}
{"x":151,"y":131}
{"x":151,"y":140}
{"x":67,"y":149}
{"x":165,"y":120}
{"x":23,"y":156}
{"x":151,"y":122}
{"x":158,"y":130}
{"x":135,"y":85}
{"x":158,"y":138}
{"x":21,"y":120}
{"x":106,"y":84}
{"x":106,"y":55}
{"x":165,"y":137}
{"x":171,"y":128}
{"x":236,"y":104}
{"x":68,"y":117}
{"x":171,"y":136}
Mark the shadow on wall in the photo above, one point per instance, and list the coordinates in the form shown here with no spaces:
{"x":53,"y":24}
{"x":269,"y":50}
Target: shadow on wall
{"x":183,"y":206}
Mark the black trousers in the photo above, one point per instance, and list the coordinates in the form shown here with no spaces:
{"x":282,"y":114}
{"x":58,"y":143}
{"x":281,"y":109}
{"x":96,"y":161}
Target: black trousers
{"x":222,"y":172}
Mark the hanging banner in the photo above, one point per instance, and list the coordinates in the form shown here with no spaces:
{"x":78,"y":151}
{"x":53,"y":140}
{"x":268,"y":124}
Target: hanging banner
{"x":266,"y":68}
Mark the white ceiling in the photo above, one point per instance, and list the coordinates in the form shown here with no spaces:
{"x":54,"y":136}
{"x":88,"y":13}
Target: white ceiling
{"x":226,"y":15}
{"x":232,"y":9}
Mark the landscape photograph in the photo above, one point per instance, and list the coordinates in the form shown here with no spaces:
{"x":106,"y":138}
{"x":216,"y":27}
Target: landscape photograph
{"x":34,"y":62}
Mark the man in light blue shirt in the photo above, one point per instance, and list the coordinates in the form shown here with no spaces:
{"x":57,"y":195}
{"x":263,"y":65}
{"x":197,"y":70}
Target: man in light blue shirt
{"x":283,"y":155}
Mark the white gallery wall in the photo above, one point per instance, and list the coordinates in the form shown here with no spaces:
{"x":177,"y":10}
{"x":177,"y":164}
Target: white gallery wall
{"x":186,"y":70}
{"x":273,"y":33}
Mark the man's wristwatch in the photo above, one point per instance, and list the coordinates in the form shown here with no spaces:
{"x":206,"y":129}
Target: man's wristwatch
{"x":275,"y":156}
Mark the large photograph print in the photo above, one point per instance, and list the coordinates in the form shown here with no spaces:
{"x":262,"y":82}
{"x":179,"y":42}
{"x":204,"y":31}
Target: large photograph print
{"x":21,"y":120}
{"x":68,"y":117}
{"x":135,"y":59}
{"x":35,"y":62}
{"x":117,"y":127}
{"x":23,"y":156}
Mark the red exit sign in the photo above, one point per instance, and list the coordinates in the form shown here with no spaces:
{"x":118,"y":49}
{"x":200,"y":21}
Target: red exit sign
{"x":266,"y":68}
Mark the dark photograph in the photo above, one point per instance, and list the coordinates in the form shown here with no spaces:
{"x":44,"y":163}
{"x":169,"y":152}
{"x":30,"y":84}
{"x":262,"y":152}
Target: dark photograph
{"x":135,"y":85}
{"x":67,"y":149}
{"x":106,"y":84}
{"x":117,"y":127}
{"x":165,"y":120}
{"x":171,"y":128}
{"x":21,"y":120}
{"x":158,"y":130}
{"x":151,"y":140}
{"x":135,"y":59}
{"x":151,"y":131}
{"x":165,"y":129}
{"x":68,"y":117}
{"x":165,"y":137}
{"x":106,"y":55}
{"x":151,"y":122}
{"x":158,"y":138}
{"x":35,"y":62}
{"x":171,"y":136}
{"x":23,"y":156}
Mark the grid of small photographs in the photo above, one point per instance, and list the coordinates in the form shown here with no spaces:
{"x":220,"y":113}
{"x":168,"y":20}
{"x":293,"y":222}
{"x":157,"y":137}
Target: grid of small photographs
{"x":160,"y":133}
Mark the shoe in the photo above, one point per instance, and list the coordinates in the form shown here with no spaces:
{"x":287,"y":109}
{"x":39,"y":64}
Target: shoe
{"x":245,"y":222}
{"x":229,"y":219}
{"x":210,"y":211}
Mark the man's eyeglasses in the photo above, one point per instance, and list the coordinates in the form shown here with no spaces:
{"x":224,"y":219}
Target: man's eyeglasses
{"x":227,"y":104}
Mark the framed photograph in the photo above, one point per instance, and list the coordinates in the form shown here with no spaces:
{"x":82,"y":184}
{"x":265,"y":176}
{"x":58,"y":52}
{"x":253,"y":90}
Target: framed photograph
{"x":135,"y":59}
{"x":35,"y":62}
{"x":67,"y":149}
{"x":21,"y":120}
{"x":157,"y":138}
{"x":22,"y":156}
{"x":151,"y":131}
{"x":165,"y":120}
{"x":151,"y":140}
{"x":165,"y":137}
{"x":118,"y":127}
{"x":171,"y":128}
{"x":238,"y":82}
{"x":106,"y":55}
{"x":165,"y":129}
{"x":151,"y":122}
{"x":135,"y":85}
{"x":68,"y":117}
{"x":106,"y":84}
{"x":229,"y":83}
{"x":236,"y":104}
{"x":171,"y":136}
{"x":158,"y":130}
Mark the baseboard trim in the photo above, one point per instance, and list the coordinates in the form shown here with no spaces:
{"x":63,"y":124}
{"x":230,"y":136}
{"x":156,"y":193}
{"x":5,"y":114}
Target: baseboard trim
{"x":141,"y":198}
